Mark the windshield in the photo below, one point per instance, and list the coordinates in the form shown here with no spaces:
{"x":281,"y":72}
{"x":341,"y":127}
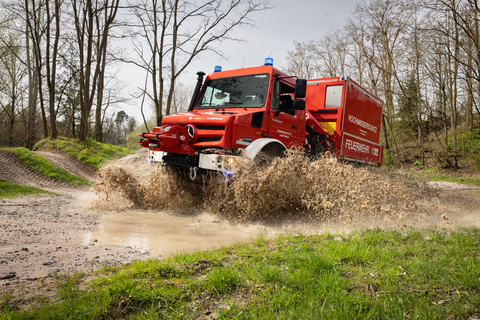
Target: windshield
{"x":244,"y":91}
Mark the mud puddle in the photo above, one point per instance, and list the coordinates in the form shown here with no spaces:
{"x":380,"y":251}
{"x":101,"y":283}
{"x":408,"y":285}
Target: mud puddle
{"x":164,"y":234}
{"x":471,"y":194}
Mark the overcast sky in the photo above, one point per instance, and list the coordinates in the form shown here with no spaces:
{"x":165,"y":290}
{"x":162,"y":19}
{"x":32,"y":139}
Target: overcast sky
{"x":276,"y":30}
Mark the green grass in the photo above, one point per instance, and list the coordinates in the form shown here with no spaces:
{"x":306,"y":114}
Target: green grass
{"x":367,"y":275}
{"x":96,"y":154}
{"x":465,"y":180}
{"x":433,"y":175}
{"x":13,"y":190}
{"x":44,"y":166}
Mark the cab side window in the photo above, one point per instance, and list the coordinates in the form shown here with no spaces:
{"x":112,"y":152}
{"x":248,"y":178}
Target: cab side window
{"x":282,"y":99}
{"x":276,"y":95}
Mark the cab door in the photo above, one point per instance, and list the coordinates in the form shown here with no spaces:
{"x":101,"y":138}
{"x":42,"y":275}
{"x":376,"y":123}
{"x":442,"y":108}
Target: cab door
{"x":285,"y":123}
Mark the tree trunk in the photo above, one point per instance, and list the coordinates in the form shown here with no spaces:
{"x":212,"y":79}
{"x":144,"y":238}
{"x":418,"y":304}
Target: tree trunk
{"x":470,"y":94}
{"x":98,"y":110}
{"x":454,"y":93}
{"x":52,"y":66}
{"x":100,"y":89}
{"x":32,"y":86}
{"x":88,"y":79}
{"x":173,"y":58}
{"x":86,"y":107}
{"x":11,"y":123}
{"x":37,"y":38}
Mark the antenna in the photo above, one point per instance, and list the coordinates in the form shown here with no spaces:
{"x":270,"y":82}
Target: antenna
{"x":243,"y":62}
{"x":270,"y":55}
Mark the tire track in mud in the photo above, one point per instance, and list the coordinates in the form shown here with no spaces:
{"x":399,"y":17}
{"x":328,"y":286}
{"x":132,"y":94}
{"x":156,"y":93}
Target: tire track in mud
{"x":69,"y":164}
{"x":14,"y":170}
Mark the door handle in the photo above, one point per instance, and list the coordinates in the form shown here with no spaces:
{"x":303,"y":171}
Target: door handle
{"x":294,"y":127}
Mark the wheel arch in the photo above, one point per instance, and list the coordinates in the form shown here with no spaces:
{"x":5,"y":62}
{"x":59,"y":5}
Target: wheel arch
{"x":258,"y":145}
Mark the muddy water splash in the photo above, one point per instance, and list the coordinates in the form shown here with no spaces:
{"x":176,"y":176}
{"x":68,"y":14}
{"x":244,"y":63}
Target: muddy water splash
{"x":324,"y":188}
{"x":121,"y":187}
{"x":292,"y":186}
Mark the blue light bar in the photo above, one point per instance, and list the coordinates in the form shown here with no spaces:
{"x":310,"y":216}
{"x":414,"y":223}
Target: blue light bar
{"x":269,"y":62}
{"x":217,"y":69}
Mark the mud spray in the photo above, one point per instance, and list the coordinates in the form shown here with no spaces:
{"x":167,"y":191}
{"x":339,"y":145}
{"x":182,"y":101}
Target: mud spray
{"x":323,"y":189}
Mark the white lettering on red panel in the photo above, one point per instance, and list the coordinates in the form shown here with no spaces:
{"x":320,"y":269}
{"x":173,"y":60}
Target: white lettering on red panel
{"x":284,"y":134}
{"x":362,"y":123}
{"x":357,"y":146}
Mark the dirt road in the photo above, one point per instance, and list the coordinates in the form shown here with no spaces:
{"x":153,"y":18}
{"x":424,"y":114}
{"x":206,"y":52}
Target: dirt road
{"x":67,"y":232}
{"x":44,"y":235}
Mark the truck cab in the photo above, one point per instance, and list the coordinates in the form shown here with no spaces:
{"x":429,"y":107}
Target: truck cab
{"x":233,"y":113}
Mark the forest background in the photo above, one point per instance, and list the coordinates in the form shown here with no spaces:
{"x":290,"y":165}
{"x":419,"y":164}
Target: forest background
{"x":59,"y":62}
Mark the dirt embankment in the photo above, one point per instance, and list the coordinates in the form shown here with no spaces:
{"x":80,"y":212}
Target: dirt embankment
{"x":69,"y":164}
{"x":14,"y":170}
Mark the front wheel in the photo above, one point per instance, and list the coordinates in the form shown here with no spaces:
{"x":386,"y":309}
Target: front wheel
{"x":267,"y":155}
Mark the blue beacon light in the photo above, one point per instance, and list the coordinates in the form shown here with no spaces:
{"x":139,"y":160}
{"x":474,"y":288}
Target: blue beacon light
{"x":227,"y":174}
{"x":269,"y":62}
{"x":217,"y":69}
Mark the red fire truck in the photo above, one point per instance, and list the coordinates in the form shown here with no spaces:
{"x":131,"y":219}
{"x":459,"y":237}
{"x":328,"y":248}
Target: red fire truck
{"x":261,"y":112}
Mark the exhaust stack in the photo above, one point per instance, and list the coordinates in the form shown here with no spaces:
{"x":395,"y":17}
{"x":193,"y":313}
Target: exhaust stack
{"x":197,"y":90}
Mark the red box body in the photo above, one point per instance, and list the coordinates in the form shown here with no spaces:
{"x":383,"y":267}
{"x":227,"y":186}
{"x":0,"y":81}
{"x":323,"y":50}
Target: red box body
{"x":351,"y":114}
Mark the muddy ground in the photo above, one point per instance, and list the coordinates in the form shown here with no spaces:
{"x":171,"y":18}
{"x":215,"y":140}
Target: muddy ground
{"x":65,"y":232}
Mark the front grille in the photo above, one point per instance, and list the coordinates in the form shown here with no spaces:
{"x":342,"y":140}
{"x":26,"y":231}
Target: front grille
{"x":207,"y":127}
{"x":208,"y":139}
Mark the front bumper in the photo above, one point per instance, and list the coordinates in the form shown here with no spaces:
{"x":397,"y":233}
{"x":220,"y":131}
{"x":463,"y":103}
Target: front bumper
{"x":214,"y":162}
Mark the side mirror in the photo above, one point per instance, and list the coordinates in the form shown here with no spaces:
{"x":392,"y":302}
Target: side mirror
{"x":300,"y":104}
{"x":300,"y":88}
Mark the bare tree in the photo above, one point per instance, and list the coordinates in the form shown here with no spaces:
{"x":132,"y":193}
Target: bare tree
{"x":324,"y":57}
{"x":413,"y":71}
{"x":12,"y":73}
{"x":34,"y":19}
{"x":384,"y":23}
{"x":181,"y":98}
{"x":102,"y":44}
{"x":51,"y":59}
{"x":87,"y":17}
{"x":27,"y":20}
{"x":178,"y":31}
{"x":33,"y":79}
{"x":302,"y":61}
{"x":331,"y":51}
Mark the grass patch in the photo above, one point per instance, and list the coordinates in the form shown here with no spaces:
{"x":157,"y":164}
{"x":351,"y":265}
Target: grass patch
{"x":433,"y":175}
{"x":465,"y":180}
{"x":42,"y":165}
{"x":13,"y":190}
{"x":96,"y":154}
{"x":367,"y":275}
